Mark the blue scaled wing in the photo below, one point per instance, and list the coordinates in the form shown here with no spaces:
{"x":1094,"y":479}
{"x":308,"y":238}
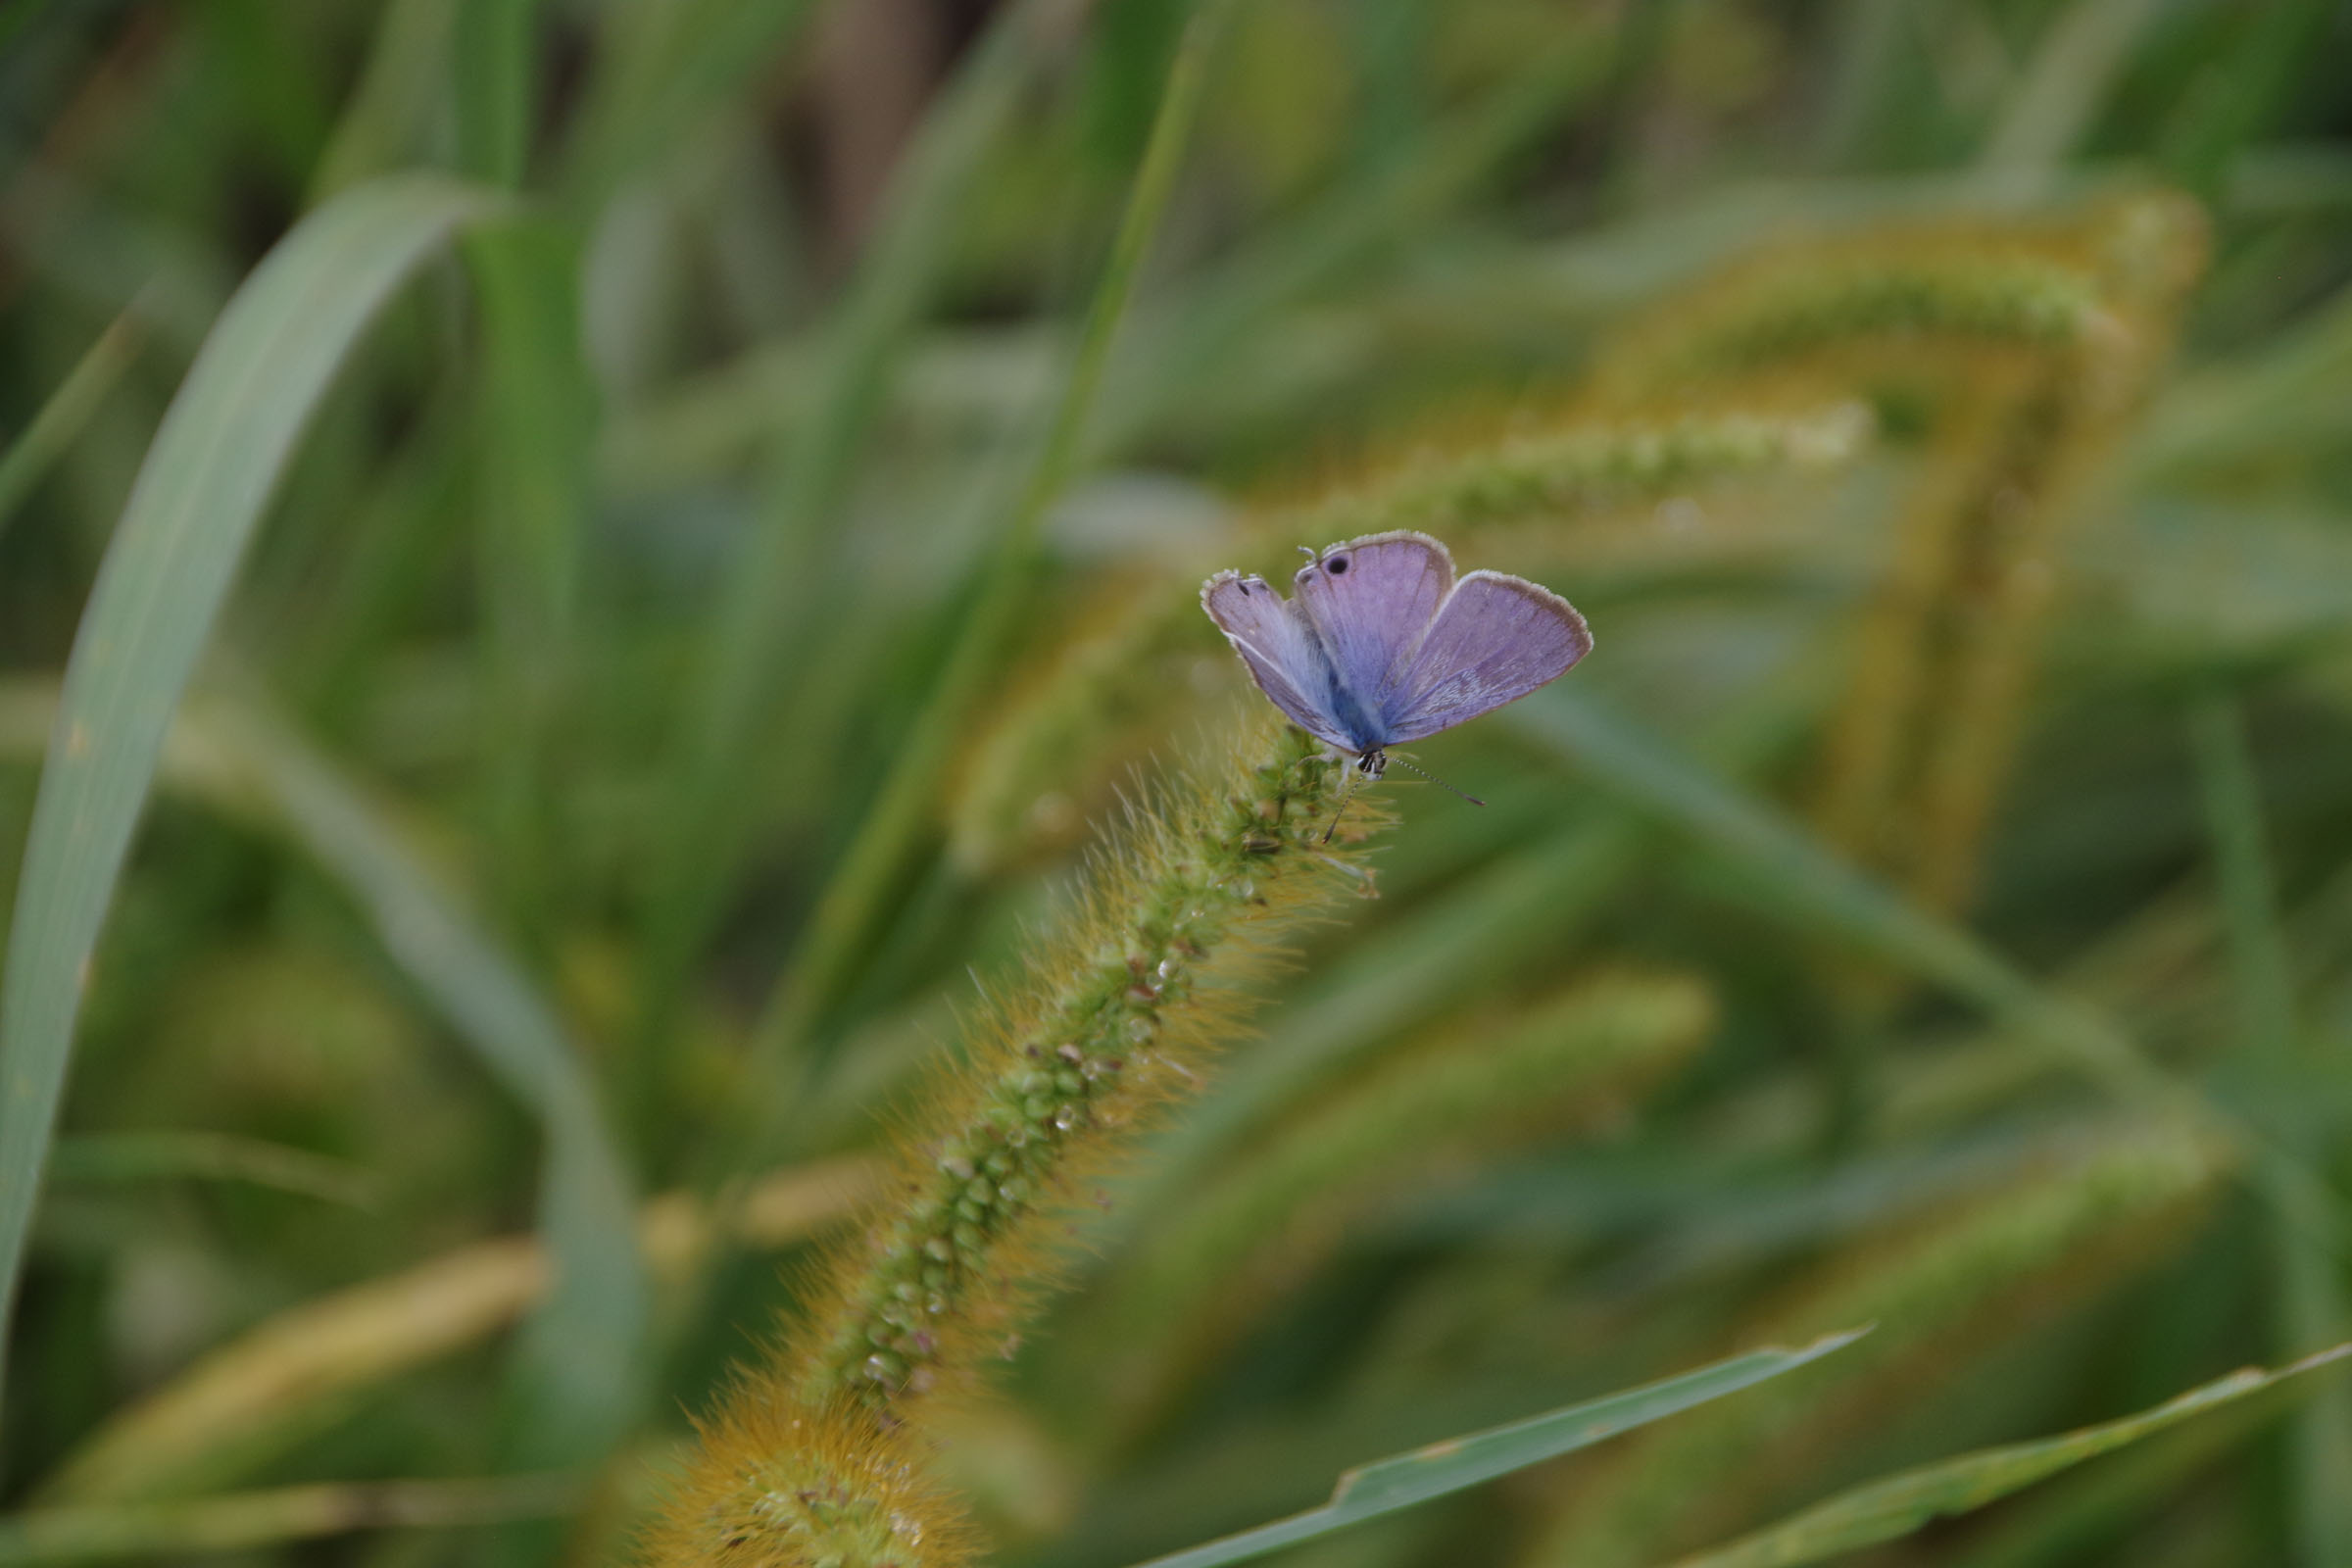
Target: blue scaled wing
{"x":1494,"y":639}
{"x":1369,"y":602}
{"x":1281,"y":654}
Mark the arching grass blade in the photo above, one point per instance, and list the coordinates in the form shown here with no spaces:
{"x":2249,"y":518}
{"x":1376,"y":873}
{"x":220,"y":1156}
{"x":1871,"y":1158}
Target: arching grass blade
{"x":217,"y":458}
{"x":1404,"y":1479}
{"x":1882,"y":1510}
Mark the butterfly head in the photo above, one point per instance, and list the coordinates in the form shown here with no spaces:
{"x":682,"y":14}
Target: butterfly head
{"x":1372,"y":763}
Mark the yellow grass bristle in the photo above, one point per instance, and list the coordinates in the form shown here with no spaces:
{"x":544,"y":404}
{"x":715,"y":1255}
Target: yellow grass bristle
{"x":1117,"y":1013}
{"x":808,"y":1487}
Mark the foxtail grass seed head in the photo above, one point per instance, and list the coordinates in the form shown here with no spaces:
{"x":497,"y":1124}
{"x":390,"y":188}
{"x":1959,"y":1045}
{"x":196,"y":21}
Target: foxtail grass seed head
{"x":830,"y":1487}
{"x":1544,"y":470}
{"x":1116,"y":1015}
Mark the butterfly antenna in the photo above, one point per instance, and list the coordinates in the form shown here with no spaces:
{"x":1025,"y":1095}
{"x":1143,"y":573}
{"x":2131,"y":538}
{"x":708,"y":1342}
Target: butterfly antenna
{"x":1434,"y":779}
{"x":1344,"y":793}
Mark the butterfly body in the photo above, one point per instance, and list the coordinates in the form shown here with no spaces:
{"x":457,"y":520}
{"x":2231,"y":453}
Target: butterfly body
{"x":1381,"y":645}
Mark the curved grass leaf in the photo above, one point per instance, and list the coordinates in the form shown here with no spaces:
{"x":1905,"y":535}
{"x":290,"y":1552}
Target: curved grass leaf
{"x":217,"y":458}
{"x":578,"y":1369}
{"x":1882,"y":1510}
{"x":1811,"y":884}
{"x":2074,"y":1518}
{"x":1814,"y":884}
{"x":1403,"y":1480}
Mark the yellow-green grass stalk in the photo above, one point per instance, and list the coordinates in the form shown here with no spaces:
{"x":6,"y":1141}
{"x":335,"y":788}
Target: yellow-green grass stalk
{"x":2032,"y":343}
{"x":246,"y":1520}
{"x":248,"y":1401}
{"x":1946,"y":652}
{"x":1934,"y":291}
{"x":814,"y":1457}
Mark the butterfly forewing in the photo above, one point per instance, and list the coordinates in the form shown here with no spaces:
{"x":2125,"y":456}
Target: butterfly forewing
{"x":1381,"y":646}
{"x":1496,"y":639}
{"x":1274,"y":643}
{"x":1370,"y":600}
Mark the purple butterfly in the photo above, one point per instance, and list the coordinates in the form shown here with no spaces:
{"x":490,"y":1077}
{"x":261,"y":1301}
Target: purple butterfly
{"x":1381,"y":646}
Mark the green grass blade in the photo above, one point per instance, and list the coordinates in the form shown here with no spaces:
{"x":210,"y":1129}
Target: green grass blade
{"x":581,"y":1356}
{"x":1184,"y":343}
{"x":2242,"y":89}
{"x":660,"y":72}
{"x":858,"y":897}
{"x":1884,"y":1510}
{"x":42,"y":441}
{"x":2063,"y":87}
{"x":537,"y":427}
{"x":2233,"y":803}
{"x":401,"y":88}
{"x":2310,"y":1307}
{"x":216,"y":456}
{"x":492,"y":51}
{"x":1403,"y":1480}
{"x":2080,"y":1515}
{"x":1814,"y":883}
{"x":773,"y":586}
{"x":579,"y":1367}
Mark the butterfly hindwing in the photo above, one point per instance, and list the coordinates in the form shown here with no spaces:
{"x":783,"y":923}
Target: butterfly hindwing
{"x":1493,"y":639}
{"x":1277,"y":648}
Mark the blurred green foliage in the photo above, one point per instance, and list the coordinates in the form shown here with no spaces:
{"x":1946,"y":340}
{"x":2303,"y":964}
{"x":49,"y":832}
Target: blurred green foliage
{"x":1931,"y":902}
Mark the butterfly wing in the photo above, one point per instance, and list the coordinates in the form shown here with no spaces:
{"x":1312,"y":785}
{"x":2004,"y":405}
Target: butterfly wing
{"x":1370,"y":602}
{"x":1494,"y":639}
{"x":1279,"y":651}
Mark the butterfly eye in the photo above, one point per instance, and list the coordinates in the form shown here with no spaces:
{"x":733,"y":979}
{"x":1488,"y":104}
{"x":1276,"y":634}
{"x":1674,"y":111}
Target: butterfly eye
{"x":1337,"y":565}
